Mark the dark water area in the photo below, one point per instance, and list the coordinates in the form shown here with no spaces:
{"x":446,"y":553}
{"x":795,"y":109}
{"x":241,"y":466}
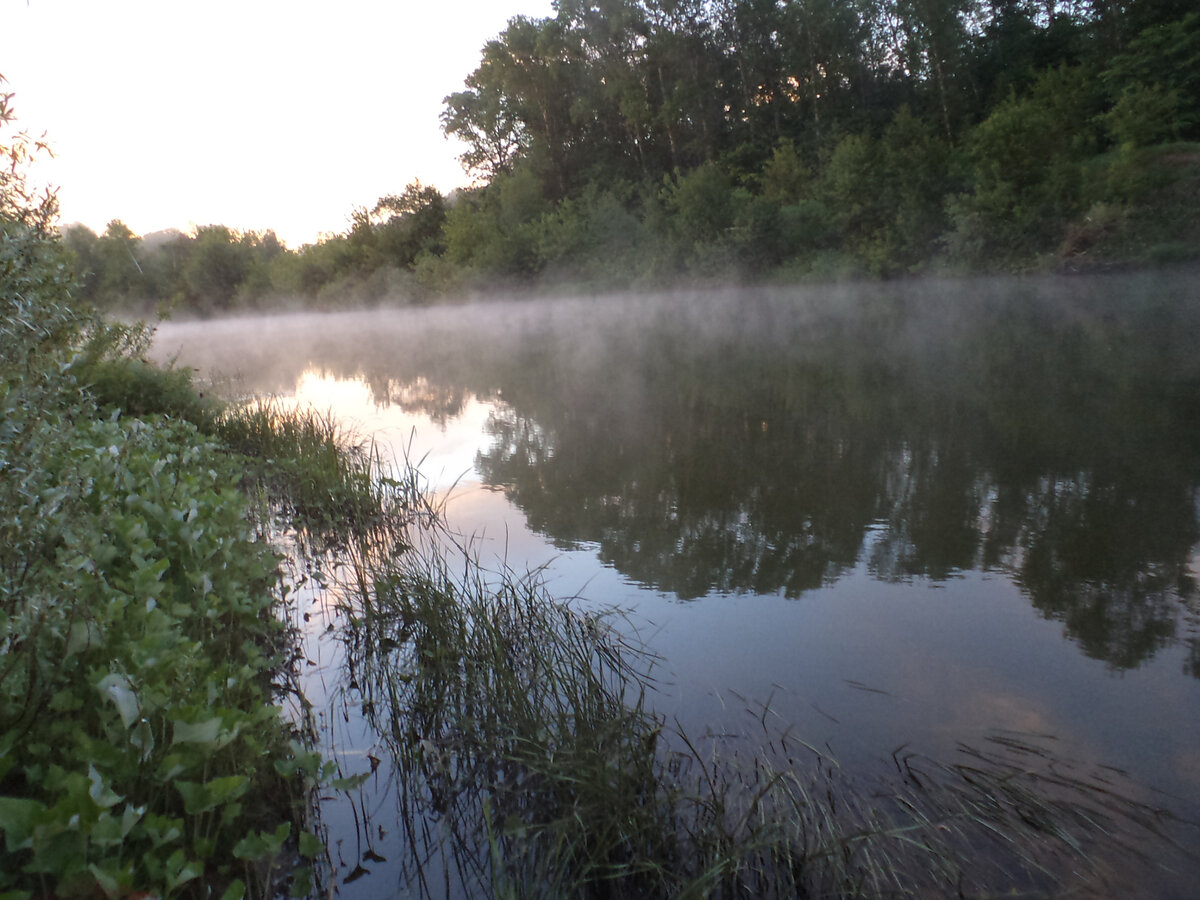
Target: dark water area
{"x":917,"y":515}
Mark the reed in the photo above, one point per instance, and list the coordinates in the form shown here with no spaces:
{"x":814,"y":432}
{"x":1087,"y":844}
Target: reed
{"x":317,"y":480}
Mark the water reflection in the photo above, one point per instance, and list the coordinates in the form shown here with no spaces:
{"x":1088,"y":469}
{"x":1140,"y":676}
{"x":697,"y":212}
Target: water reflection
{"x":1060,"y":448}
{"x":770,"y":442}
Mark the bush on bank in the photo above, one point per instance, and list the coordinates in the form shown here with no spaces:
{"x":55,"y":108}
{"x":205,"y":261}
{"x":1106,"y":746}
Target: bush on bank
{"x":141,"y":747}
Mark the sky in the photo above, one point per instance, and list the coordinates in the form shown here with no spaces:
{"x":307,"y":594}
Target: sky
{"x":254,"y":114}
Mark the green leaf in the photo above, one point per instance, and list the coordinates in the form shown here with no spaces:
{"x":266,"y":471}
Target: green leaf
{"x":142,"y":737}
{"x":107,"y":882}
{"x":302,"y":882}
{"x":116,"y":687}
{"x":67,"y":701}
{"x":311,"y":846}
{"x":180,"y":870}
{"x":130,"y":817}
{"x":102,"y":795}
{"x":163,"y":831}
{"x":205,"y":732}
{"x":106,"y":831}
{"x":82,"y":636}
{"x":262,"y":844}
{"x":235,"y":891}
{"x":17,"y":817}
{"x":200,"y":798}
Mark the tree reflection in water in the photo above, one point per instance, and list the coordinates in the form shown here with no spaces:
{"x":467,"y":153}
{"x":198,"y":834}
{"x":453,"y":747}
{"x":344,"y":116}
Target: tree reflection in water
{"x":770,"y":441}
{"x":1053,"y":441}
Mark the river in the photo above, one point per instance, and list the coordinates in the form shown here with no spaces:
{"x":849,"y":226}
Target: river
{"x":921,"y":515}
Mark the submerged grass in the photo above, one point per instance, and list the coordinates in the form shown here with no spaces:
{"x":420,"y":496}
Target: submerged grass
{"x":529,"y":763}
{"x":316,"y":481}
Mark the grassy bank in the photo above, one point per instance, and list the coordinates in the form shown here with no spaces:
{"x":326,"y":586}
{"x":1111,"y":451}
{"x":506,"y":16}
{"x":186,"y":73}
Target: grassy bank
{"x":141,"y":747}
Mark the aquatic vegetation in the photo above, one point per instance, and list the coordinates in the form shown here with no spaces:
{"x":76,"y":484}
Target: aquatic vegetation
{"x":528,"y":760}
{"x":315,"y":479}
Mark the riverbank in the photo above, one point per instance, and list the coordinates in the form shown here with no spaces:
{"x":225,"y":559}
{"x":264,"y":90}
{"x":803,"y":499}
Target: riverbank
{"x":142,"y":746}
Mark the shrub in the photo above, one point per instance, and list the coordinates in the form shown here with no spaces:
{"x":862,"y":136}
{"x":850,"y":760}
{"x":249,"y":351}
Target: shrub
{"x":1145,"y":115}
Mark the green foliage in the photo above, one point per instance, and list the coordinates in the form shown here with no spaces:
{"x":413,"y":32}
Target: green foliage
{"x":135,"y":603}
{"x":1162,"y":65}
{"x":1142,"y":208}
{"x":140,"y":746}
{"x":483,"y":119}
{"x":785,"y":179}
{"x":496,"y":233}
{"x":138,"y":638}
{"x":1028,"y":156}
{"x":596,"y":239}
{"x":111,"y":368}
{"x":1144,"y":116}
{"x":215,"y":268}
{"x":704,"y":206}
{"x":920,"y":170}
{"x":912,"y":128}
{"x":409,"y":224}
{"x":21,"y":204}
{"x":139,"y":388}
{"x":851,"y":191}
{"x":120,"y":272}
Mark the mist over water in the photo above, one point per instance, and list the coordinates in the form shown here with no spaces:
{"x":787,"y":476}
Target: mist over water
{"x":912,"y":514}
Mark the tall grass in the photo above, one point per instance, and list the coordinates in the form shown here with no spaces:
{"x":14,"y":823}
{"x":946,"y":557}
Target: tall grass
{"x":317,"y":480}
{"x":517,"y":723}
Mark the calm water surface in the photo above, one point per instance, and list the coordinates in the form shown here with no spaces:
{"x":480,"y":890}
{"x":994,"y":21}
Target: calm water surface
{"x":921,"y":515}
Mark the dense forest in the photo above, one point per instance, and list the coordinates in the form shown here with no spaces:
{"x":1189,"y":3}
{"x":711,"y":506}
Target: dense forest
{"x":645,"y":142}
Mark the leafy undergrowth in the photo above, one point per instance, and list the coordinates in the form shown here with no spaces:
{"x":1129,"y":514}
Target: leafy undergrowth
{"x":141,"y":745}
{"x":135,"y":698}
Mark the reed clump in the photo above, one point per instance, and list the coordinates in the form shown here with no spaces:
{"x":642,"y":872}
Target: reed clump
{"x":316,"y":480}
{"x":517,"y":723}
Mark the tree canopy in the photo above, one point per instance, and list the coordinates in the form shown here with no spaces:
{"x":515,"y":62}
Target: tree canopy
{"x":622,"y":142}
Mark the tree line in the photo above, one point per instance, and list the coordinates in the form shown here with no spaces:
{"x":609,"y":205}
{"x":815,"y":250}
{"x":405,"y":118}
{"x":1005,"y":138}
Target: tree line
{"x":624,"y":142}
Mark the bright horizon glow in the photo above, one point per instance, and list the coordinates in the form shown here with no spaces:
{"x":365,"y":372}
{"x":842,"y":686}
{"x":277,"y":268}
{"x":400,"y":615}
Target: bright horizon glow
{"x":256,"y":114}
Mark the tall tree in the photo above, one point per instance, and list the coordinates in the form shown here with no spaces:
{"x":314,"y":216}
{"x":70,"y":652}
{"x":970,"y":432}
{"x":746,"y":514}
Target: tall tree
{"x":483,"y":118}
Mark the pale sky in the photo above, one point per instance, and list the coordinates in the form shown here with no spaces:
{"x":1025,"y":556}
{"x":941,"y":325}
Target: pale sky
{"x":255,"y":114}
